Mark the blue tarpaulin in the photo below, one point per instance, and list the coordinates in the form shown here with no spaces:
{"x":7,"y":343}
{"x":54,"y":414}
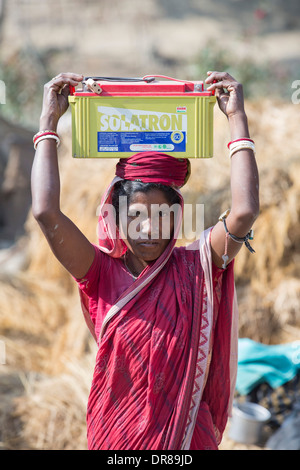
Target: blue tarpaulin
{"x":259,"y":363}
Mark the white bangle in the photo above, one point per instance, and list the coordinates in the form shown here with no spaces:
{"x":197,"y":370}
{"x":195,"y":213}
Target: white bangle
{"x":241,"y":145}
{"x":47,"y":136}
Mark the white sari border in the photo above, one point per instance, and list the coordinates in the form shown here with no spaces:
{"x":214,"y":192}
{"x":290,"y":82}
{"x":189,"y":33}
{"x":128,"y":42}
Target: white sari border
{"x":202,"y":365}
{"x":204,"y":353}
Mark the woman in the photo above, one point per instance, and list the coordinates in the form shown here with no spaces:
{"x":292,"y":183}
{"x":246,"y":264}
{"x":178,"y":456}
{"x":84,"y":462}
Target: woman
{"x":164,"y":317}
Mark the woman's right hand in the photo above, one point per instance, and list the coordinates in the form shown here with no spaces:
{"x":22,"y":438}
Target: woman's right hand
{"x":55,"y":101}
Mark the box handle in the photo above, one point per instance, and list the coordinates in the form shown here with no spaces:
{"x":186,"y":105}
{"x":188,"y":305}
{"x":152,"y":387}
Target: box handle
{"x":198,"y":86}
{"x":148,"y":77}
{"x":122,"y":79}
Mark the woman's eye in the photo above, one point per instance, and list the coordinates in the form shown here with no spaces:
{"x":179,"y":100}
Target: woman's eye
{"x":162,"y":214}
{"x":134,"y":214}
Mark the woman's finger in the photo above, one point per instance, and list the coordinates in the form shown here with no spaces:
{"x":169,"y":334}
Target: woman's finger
{"x":65,"y":90}
{"x":69,"y":76}
{"x":65,"y":79}
{"x":223,"y":84}
{"x":218,"y":76}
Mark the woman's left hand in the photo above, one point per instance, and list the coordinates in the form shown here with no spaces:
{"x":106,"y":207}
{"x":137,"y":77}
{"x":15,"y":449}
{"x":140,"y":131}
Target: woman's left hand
{"x":228,"y":91}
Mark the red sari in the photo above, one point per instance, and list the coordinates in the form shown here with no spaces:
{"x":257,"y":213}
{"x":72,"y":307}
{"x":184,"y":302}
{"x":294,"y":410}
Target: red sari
{"x":166,"y":364}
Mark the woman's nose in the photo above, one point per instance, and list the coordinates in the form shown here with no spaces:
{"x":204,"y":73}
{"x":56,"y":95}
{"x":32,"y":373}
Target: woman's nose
{"x":146,"y":225}
{"x":150,"y":227}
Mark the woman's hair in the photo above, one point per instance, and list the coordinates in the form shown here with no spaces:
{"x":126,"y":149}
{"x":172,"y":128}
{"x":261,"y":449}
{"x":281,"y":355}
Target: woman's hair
{"x":128,"y":188}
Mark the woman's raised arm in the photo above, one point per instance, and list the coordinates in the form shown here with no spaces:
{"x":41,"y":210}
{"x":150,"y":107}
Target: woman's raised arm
{"x":244,"y":175}
{"x":67,"y":242}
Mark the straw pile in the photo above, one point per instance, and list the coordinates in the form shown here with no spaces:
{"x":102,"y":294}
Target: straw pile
{"x":49,"y":351}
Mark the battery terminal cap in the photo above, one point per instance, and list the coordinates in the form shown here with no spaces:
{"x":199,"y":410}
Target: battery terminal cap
{"x":93,"y":86}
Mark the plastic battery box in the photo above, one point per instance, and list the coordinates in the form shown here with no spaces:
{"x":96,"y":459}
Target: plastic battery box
{"x":115,"y":117}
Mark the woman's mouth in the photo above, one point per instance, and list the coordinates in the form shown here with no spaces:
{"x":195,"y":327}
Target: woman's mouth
{"x":148,"y":243}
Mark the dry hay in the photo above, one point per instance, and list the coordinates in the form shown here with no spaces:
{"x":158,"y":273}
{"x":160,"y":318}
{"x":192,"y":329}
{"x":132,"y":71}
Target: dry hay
{"x":40,"y":316}
{"x":40,"y":325}
{"x":49,"y":412}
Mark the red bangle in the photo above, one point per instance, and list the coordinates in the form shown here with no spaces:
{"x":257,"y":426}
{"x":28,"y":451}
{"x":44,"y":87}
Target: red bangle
{"x":238,"y":140}
{"x":42,"y":133}
{"x":45,"y":135}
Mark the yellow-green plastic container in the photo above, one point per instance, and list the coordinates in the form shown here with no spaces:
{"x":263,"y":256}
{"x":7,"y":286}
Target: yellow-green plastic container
{"x":128,"y":116}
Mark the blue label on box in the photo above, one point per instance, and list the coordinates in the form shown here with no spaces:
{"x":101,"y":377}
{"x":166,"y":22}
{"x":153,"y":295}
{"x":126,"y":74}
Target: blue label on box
{"x":142,"y":141}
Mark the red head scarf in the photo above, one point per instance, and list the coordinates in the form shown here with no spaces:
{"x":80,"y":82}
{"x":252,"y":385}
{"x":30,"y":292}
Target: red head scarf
{"x":154,"y":168}
{"x":145,"y":167}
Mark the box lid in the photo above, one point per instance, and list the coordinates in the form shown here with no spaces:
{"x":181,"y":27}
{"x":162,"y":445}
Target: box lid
{"x":148,"y":85}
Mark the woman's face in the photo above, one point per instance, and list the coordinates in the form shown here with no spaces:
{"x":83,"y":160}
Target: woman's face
{"x":148,"y":225}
